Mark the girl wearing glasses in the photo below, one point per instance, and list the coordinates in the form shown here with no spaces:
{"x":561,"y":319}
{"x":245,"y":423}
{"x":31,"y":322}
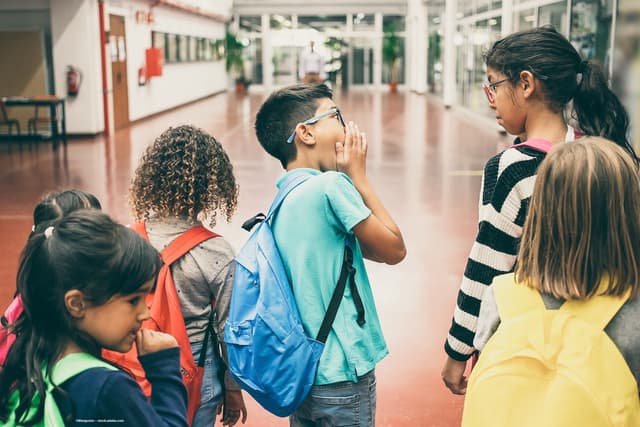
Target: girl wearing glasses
{"x":533,"y":75}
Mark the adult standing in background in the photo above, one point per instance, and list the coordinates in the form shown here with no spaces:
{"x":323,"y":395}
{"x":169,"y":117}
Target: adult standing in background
{"x":311,"y":68}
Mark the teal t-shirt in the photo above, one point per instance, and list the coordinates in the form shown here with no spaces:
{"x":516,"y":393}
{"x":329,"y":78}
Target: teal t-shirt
{"x":310,"y":230}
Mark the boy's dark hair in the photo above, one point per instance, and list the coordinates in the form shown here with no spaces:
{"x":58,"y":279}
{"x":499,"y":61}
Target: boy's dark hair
{"x":85,"y":250}
{"x":281,"y":112}
{"x":57,"y":204}
{"x":552,"y":59}
{"x":185,"y":172}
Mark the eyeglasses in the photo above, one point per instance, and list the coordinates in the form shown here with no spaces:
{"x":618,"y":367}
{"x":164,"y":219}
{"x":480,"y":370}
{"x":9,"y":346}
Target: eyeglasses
{"x":313,"y":120}
{"x":490,"y":89}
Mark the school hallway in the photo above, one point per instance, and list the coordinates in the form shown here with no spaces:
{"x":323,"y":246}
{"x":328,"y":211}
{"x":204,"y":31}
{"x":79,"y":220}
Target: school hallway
{"x":424,"y":160}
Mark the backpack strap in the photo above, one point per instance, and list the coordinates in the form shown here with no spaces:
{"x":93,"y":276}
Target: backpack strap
{"x":66,"y":368}
{"x":140,"y":228}
{"x":292,"y":181}
{"x":12,"y":313}
{"x":348,"y":272}
{"x":598,"y":310}
{"x":74,"y":364}
{"x":537,"y":144}
{"x":514,"y":299}
{"x":181,"y":244}
{"x":185,"y":242}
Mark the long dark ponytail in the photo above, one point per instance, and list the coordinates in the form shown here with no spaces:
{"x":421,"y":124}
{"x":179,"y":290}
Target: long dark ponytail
{"x":553,"y":60}
{"x":597,"y":109}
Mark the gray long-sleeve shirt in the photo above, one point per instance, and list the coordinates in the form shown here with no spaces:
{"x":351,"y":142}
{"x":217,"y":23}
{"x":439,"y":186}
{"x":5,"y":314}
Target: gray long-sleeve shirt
{"x":202,"y":275}
{"x":623,"y":328}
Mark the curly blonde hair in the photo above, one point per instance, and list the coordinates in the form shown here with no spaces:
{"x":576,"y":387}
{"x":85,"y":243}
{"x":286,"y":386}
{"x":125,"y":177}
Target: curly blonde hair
{"x":185,"y":172}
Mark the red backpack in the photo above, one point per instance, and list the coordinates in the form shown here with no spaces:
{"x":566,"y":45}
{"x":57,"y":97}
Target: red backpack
{"x":166,"y":316}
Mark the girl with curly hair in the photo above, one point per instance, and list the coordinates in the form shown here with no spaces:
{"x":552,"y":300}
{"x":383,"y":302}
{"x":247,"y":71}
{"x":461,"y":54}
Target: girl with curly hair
{"x":184,"y":177}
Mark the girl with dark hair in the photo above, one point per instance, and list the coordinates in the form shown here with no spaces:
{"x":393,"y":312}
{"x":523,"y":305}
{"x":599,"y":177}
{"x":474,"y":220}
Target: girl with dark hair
{"x":533,"y":76}
{"x":83,"y":281}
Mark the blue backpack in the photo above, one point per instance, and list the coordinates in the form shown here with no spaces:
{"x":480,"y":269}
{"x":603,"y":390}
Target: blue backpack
{"x":269,"y":354}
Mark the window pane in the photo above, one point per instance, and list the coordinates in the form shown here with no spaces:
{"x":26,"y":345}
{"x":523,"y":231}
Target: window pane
{"x":280,"y":22}
{"x":251,"y":24}
{"x":591,"y":28}
{"x":554,"y":15}
{"x":363,"y":22}
{"x":395,"y":21}
{"x":524,"y":20}
{"x":472,"y":41}
{"x":171,"y":48}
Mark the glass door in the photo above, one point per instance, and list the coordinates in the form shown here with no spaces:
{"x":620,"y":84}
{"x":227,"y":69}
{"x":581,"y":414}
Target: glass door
{"x":361,"y":61}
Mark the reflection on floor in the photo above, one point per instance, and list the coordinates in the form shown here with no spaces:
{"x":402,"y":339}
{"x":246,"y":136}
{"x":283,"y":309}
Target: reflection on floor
{"x":424,"y":161}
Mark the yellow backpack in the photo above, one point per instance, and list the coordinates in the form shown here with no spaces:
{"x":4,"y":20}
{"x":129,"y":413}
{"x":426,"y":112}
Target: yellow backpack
{"x":551,"y":368}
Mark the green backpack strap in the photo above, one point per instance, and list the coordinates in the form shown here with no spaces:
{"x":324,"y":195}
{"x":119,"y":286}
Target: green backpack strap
{"x":67,"y":367}
{"x":74,"y":364}
{"x":598,"y":310}
{"x":514,"y":299}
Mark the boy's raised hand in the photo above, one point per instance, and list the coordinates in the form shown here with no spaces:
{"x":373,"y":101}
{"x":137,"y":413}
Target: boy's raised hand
{"x":379,"y":236}
{"x":351,"y":156}
{"x":148,"y":341}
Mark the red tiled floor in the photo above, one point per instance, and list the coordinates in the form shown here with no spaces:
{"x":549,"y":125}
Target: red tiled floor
{"x":421,"y":159}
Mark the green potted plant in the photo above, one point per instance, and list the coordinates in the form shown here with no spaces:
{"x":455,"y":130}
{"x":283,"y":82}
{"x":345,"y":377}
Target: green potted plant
{"x":235,"y":61}
{"x":391,"y":55}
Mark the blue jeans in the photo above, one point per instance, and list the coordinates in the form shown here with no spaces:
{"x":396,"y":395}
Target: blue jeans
{"x":211,"y":392}
{"x":339,"y":404}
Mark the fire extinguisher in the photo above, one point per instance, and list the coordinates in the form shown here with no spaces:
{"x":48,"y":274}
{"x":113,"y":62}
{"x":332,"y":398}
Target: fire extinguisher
{"x":74,"y":79}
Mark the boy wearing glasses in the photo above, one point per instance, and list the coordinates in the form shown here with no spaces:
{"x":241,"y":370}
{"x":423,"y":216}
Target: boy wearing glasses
{"x":302,"y":127}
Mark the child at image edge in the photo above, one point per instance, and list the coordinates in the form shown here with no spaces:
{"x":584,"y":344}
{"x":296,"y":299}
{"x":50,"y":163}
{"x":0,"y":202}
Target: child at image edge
{"x":302,"y":127}
{"x":83,"y":282}
{"x":570,"y":256}
{"x":533,"y":76}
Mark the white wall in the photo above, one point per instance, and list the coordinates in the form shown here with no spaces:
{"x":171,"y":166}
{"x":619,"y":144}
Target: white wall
{"x":179,"y":83}
{"x":76,"y":41}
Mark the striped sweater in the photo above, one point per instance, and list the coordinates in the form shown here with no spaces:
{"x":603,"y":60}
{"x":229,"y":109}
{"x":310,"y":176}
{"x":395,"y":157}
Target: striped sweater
{"x":507,"y":185}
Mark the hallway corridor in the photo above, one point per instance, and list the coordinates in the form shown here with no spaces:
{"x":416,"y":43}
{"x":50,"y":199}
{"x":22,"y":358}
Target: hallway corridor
{"x":424,"y":161}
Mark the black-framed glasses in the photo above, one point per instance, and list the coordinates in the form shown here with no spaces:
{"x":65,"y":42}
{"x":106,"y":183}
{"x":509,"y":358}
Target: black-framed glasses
{"x":313,"y":120}
{"x":490,"y":89}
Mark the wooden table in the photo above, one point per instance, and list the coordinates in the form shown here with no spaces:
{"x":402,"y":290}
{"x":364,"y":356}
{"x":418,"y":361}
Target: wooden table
{"x":51,"y":101}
